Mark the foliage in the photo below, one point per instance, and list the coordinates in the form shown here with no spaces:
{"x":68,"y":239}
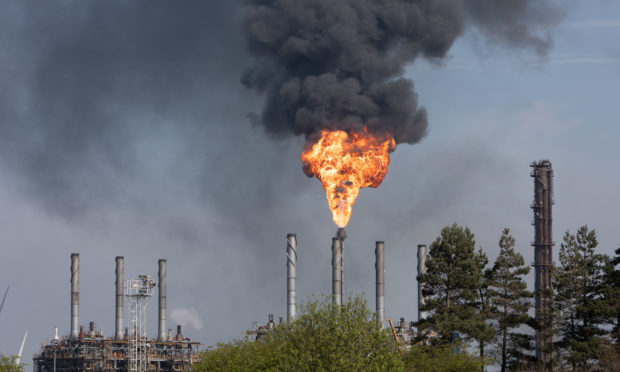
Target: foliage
{"x":7,"y":364}
{"x":323,"y":338}
{"x":451,"y":285}
{"x":331,"y":338}
{"x":439,"y":359}
{"x":483,"y":331}
{"x":609,"y":355}
{"x":609,"y":306}
{"x":261,"y":355}
{"x":579,"y":284}
{"x":511,"y":302}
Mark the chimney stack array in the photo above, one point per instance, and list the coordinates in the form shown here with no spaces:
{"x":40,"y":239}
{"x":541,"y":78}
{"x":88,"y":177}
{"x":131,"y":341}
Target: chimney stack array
{"x":162,"y":300}
{"x":337,"y":270}
{"x":291,"y":276}
{"x":75,"y":294}
{"x":380,"y":282}
{"x":77,"y":331}
{"x":120,"y":298}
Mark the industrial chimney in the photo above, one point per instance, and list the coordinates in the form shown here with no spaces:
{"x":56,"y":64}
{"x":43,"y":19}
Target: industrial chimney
{"x":337,"y":270}
{"x":421,"y":271}
{"x":380,"y":289}
{"x":162,"y":301}
{"x":543,"y":262}
{"x":120,"y":279}
{"x":291,"y":276}
{"x":75,"y":294}
{"x":342,"y":234}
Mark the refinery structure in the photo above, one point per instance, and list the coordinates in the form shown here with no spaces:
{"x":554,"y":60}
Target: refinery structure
{"x":129,"y":349}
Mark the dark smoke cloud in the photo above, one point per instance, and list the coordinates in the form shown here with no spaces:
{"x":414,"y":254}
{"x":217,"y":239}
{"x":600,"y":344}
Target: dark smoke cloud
{"x":84,"y":82}
{"x":516,"y":23}
{"x":337,"y":64}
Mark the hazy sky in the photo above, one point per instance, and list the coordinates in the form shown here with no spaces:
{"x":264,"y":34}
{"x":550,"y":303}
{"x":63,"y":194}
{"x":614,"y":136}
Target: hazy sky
{"x":124,"y":131}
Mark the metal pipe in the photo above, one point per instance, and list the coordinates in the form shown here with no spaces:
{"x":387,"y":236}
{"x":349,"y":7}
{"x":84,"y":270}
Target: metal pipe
{"x":120,"y":304}
{"x":162,"y":300}
{"x":291,"y":276}
{"x":380,"y":282}
{"x":342,"y":234}
{"x":421,"y":271}
{"x":337,"y":271}
{"x":75,"y":294}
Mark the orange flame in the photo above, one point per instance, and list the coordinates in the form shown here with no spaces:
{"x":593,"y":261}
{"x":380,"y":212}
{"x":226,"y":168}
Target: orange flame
{"x":346,"y":162}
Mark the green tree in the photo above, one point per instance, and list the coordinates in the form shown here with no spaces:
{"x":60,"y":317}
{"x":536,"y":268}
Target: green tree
{"x":609,"y":306}
{"x":451,"y":285}
{"x":424,"y":358}
{"x":579,"y":285}
{"x":482,"y":329}
{"x":7,"y":364}
{"x":331,"y":338}
{"x":324,"y":337}
{"x":511,"y":301}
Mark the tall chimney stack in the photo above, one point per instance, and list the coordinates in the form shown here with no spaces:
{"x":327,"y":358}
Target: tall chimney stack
{"x":120,"y":279}
{"x":380,"y":289}
{"x":162,"y":300}
{"x":542,"y":173}
{"x":421,"y":271}
{"x":337,"y":271}
{"x":75,"y":294}
{"x":342,"y":234}
{"x":291,"y":276}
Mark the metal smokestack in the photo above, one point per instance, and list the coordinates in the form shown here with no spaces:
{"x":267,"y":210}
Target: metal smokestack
{"x":337,"y":271}
{"x":542,"y":173}
{"x":291,"y":276}
{"x":162,"y":300}
{"x":380,"y":289}
{"x":120,"y":279}
{"x":421,"y":271}
{"x":342,"y":235}
{"x":75,"y":294}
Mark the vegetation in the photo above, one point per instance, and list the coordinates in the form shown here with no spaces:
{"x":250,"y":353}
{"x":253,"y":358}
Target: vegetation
{"x":323,"y":338}
{"x":7,"y":364}
{"x":511,"y":302}
{"x":328,"y":338}
{"x":426,"y":358}
{"x":452,"y":286}
{"x":579,"y":283}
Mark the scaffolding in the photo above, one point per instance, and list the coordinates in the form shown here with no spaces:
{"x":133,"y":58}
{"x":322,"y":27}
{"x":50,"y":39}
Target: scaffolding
{"x":139,"y":291}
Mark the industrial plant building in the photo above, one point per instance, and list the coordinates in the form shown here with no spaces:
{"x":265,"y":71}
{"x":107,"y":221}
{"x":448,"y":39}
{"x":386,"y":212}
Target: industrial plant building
{"x":129,"y":349}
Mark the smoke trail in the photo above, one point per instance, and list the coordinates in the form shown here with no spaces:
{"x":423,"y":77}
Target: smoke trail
{"x":338,"y":64}
{"x":86,"y":83}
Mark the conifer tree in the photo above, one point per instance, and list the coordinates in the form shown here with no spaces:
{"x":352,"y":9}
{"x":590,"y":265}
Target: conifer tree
{"x":610,"y":305}
{"x":579,"y":282}
{"x":511,"y":301}
{"x":452,"y":284}
{"x":483,"y":330}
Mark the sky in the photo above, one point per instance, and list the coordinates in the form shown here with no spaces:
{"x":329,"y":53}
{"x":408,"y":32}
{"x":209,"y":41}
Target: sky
{"x":119,"y":139}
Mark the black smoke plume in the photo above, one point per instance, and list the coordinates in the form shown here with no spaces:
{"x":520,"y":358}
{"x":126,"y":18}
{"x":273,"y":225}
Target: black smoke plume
{"x":325,"y":64}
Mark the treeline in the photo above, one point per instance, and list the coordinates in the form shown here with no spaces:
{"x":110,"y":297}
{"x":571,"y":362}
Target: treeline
{"x":327,"y":337}
{"x":489,"y":307}
{"x":479,"y":314}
